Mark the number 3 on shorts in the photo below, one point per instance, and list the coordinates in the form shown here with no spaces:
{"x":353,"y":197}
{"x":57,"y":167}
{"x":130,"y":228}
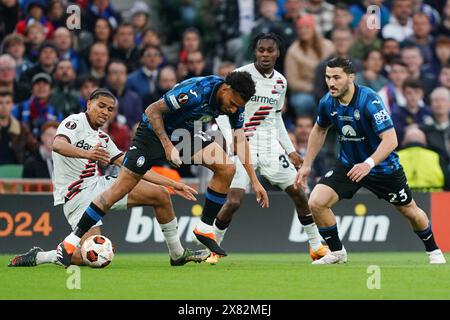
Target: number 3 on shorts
{"x":402,"y":195}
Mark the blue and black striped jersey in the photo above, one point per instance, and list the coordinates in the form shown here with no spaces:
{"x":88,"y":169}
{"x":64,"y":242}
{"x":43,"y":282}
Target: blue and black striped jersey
{"x":195,"y":100}
{"x":359,"y":125}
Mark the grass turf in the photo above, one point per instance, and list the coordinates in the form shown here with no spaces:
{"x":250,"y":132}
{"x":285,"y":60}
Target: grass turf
{"x":239,"y":276}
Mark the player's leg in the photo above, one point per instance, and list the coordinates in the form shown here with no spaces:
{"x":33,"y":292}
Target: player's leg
{"x":214,"y":158}
{"x":158,"y":197}
{"x":124,"y":183}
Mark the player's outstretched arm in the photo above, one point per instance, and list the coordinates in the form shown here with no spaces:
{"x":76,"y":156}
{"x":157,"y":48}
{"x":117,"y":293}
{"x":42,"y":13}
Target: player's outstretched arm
{"x":154,"y":113}
{"x":315,"y":142}
{"x":62,"y":146}
{"x":242,"y":150}
{"x":387,"y":145}
{"x":181,"y":189}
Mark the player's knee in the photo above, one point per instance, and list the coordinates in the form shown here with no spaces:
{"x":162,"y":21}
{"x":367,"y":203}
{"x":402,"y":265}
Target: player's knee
{"x":163,"y":196}
{"x":315,"y":204}
{"x":233,"y":203}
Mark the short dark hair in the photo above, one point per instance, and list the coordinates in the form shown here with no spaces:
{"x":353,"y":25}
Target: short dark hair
{"x":398,"y":62}
{"x":150,"y":46}
{"x":343,"y":63}
{"x":266,"y":36}
{"x":6,"y":94}
{"x":101,"y":92}
{"x":413,"y":83}
{"x":242,"y":83}
{"x":84,"y":78}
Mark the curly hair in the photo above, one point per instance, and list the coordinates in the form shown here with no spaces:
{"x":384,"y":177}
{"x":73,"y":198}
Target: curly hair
{"x":242,"y":83}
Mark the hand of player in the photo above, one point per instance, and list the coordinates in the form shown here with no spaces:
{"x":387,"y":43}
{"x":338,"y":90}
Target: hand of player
{"x":173,"y":156}
{"x":296,"y":159}
{"x":185,"y":191}
{"x":359,"y":171}
{"x":97,"y":153}
{"x":302,"y":176}
{"x":261,"y":195}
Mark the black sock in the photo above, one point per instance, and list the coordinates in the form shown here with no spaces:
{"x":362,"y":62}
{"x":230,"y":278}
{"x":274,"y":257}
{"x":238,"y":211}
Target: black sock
{"x":428,"y":238}
{"x":331,"y":237}
{"x":306,"y":220}
{"x":220,"y":224}
{"x":214,"y":201}
{"x":90,"y":217}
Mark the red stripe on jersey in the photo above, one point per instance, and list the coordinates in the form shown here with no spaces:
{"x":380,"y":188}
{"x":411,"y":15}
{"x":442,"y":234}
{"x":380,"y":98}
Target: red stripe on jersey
{"x":88,"y":171}
{"x":262,"y":113}
{"x":254,"y":123}
{"x":74,"y":184}
{"x":257,"y":118}
{"x":249,"y":129}
{"x":87,"y":175}
{"x":73,"y":195}
{"x":265,"y":108}
{"x":279,"y":81}
{"x":274,"y":91}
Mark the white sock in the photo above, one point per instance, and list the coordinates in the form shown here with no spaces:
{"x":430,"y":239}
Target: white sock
{"x":170,"y":232}
{"x":46,"y":257}
{"x":220,"y":234}
{"x":73,"y":239}
{"x":204,"y":228}
{"x":313,"y":236}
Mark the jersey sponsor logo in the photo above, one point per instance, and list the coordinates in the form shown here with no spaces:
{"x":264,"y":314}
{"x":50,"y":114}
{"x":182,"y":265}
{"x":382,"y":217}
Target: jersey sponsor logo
{"x":140,"y":161}
{"x":265,"y":100}
{"x":71,"y":125}
{"x":345,"y":118}
{"x":183,"y":98}
{"x":381,"y":116}
{"x":349,"y":134}
{"x":83,"y":145}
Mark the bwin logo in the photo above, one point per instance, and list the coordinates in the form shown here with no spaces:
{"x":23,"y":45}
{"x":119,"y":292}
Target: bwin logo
{"x":348,"y":131}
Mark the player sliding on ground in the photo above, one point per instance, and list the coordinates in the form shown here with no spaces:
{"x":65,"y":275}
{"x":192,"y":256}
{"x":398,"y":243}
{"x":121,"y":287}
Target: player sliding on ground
{"x":186,"y":106}
{"x":78,"y":147}
{"x":271,"y":149}
{"x":367,"y":159}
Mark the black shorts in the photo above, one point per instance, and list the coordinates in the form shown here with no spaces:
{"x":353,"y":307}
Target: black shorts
{"x":147,"y":151}
{"x":390,"y":187}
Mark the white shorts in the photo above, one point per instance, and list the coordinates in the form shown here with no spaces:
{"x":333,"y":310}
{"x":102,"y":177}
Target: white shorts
{"x":74,"y":209}
{"x":274,"y":166}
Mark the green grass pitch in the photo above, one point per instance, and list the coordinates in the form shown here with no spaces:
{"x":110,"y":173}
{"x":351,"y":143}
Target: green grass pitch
{"x":239,"y":276}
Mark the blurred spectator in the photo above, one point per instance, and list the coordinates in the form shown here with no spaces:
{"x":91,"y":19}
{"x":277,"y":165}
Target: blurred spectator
{"x":167,"y":79}
{"x":412,"y":57}
{"x":191,"y":42}
{"x":302,"y":58}
{"x":292,"y":11}
{"x":444,"y":27}
{"x":103,"y":33}
{"x":371,"y":75}
{"x":429,"y":11}
{"x":56,"y":13}
{"x":422,"y":38}
{"x":342,"y":39}
{"x":444,"y":76}
{"x":118,"y":131}
{"x":323,"y":13}
{"x":366,"y":40}
{"x":139,"y":16}
{"x":97,"y":61}
{"x":130,"y":104}
{"x":196,"y":65}
{"x":9,"y":16}
{"x":8,"y":81}
{"x":48,"y":56}
{"x":359,"y":9}
{"x":14,"y":45}
{"x":40,"y":163}
{"x":225,"y":68}
{"x":64,"y":97}
{"x":63,"y":42}
{"x":442,"y":50}
{"x":35,"y":12}
{"x":342,"y":18}
{"x":16,"y":140}
{"x":414,"y":113}
{"x":35,"y":37}
{"x":124,"y":48}
{"x":423,"y":166}
{"x":400,"y":22}
{"x":150,"y":37}
{"x":438,"y":133}
{"x":390,"y":49}
{"x":37,"y":110}
{"x":86,"y":84}
{"x":99,"y":9}
{"x":392,"y":93}
{"x":144,"y":80}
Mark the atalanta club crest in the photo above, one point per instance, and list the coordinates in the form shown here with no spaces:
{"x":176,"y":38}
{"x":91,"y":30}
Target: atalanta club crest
{"x":183,"y":98}
{"x":71,"y":125}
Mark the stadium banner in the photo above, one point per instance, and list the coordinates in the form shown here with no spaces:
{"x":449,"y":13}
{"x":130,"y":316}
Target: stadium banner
{"x":365,"y":224}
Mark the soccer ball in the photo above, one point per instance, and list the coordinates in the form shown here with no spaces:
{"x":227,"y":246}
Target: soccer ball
{"x":97,"y":251}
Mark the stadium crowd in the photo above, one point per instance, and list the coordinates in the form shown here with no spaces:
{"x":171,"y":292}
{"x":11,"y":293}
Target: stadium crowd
{"x":47,"y":71}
